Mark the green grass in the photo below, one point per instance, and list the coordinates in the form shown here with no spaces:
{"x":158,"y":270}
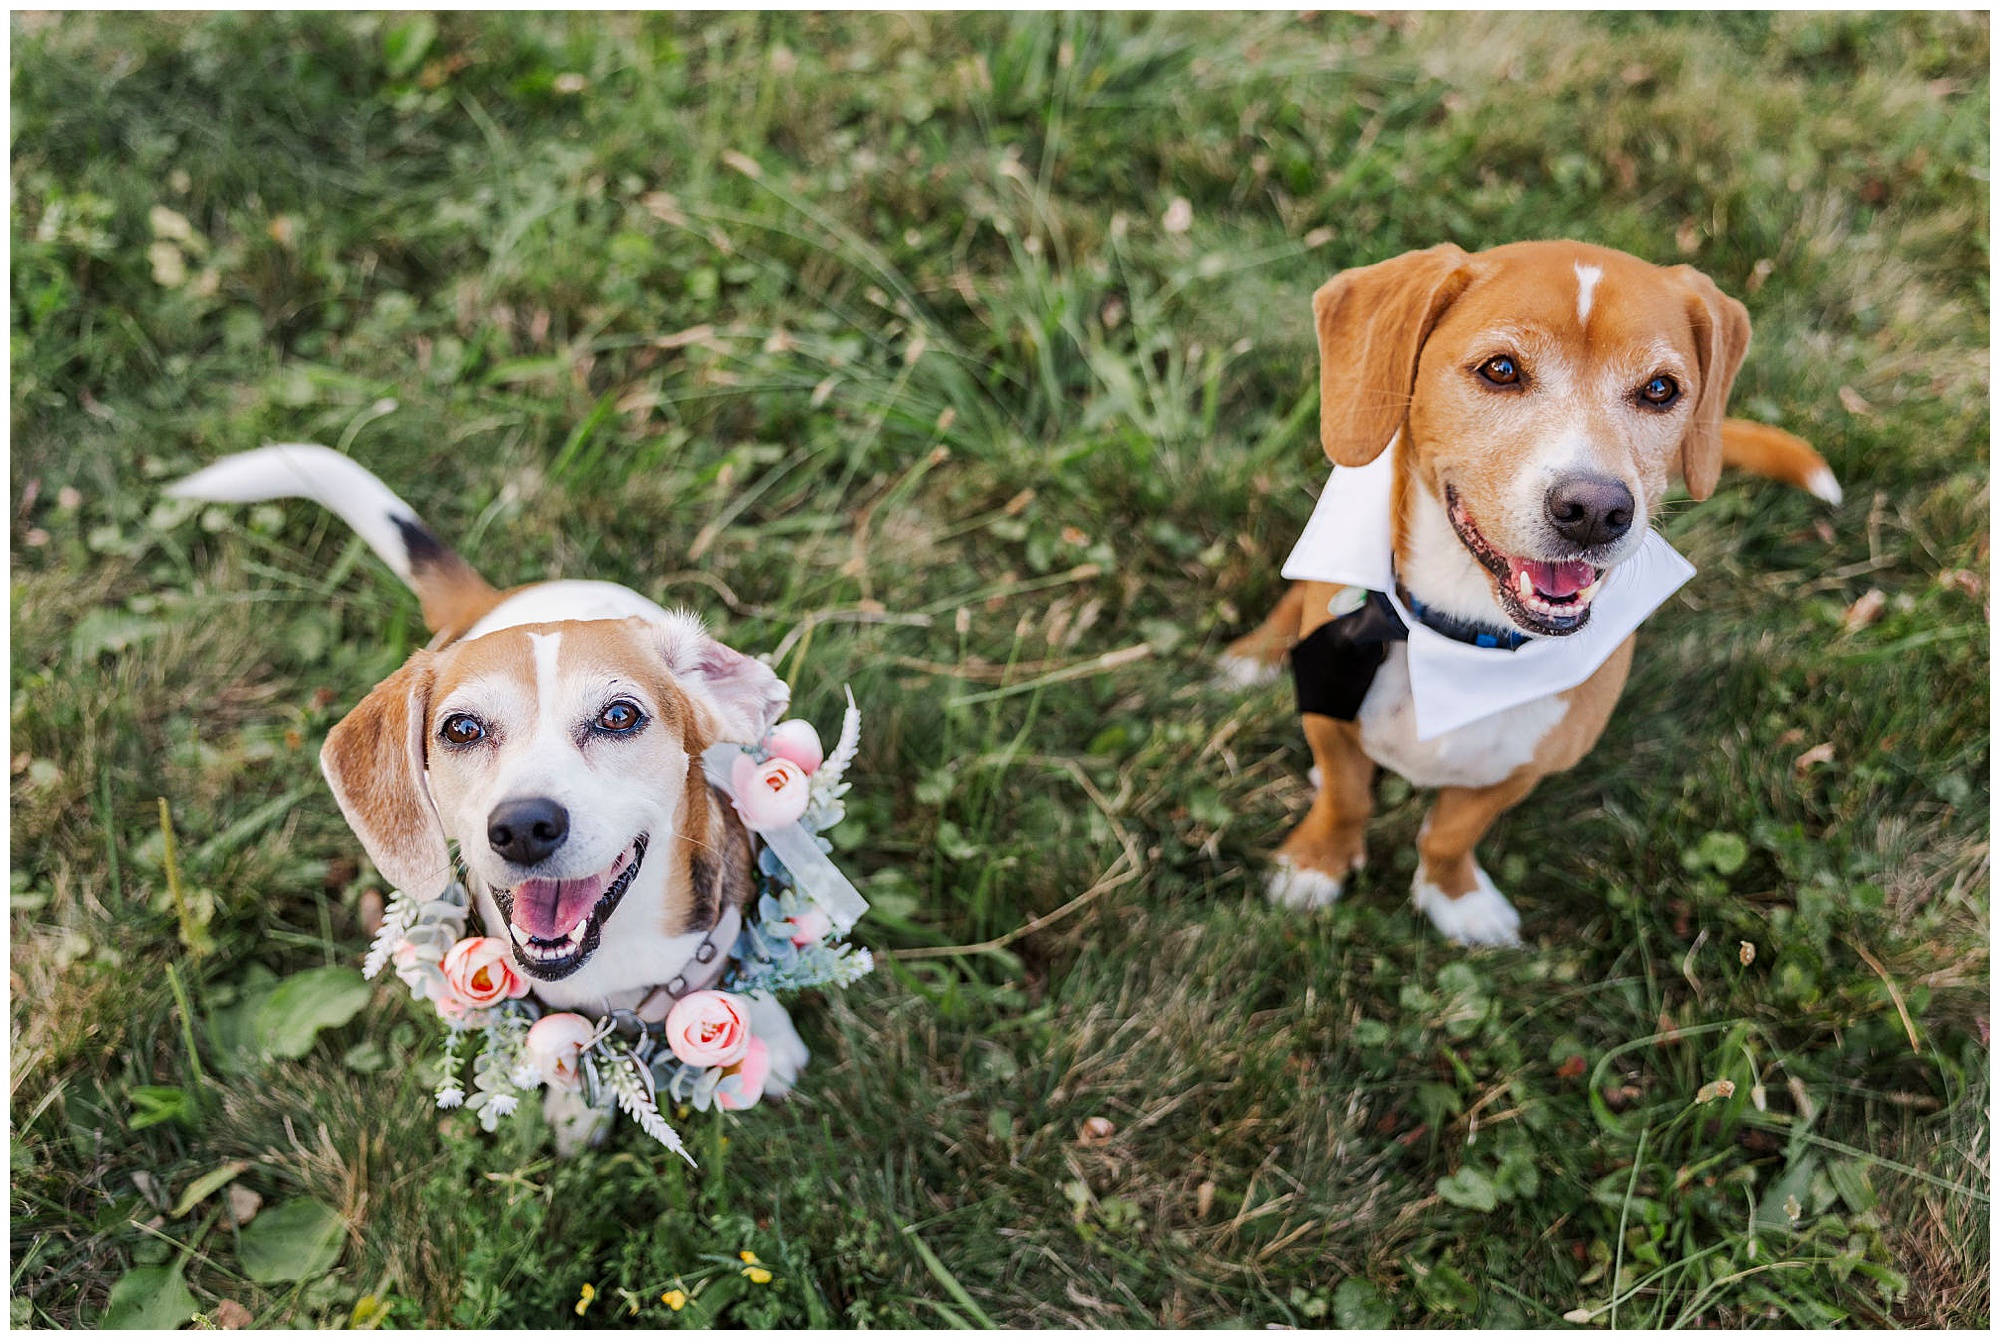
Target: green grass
{"x":945,"y":410}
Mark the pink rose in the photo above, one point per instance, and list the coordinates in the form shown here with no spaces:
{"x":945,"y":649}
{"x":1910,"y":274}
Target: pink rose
{"x":797,"y":741}
{"x":554,"y":1044}
{"x":709,"y":1028}
{"x":808,"y":927}
{"x":750,"y":1072}
{"x":481,"y":972}
{"x":770,"y":794}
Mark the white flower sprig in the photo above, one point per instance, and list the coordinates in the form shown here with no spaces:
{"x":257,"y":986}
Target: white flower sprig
{"x":849,"y":744}
{"x":496,"y":1069}
{"x":633,"y":1086}
{"x":449,"y":1094}
{"x":397,"y":918}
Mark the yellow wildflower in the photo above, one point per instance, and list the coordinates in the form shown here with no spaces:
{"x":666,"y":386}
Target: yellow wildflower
{"x":748,"y":1258}
{"x":583,"y":1300}
{"x":674,"y":1299}
{"x":757,"y":1274}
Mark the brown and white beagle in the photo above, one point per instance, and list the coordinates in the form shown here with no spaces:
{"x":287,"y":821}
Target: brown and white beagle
{"x":1537,"y":400}
{"x":553,"y":733}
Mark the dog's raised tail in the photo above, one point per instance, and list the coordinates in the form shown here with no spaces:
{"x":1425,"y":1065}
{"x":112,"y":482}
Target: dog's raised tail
{"x":1776,"y":454}
{"x":451,"y":593}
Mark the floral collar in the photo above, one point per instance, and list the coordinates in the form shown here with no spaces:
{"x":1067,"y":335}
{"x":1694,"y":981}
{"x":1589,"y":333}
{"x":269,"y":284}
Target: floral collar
{"x":690,"y":1038}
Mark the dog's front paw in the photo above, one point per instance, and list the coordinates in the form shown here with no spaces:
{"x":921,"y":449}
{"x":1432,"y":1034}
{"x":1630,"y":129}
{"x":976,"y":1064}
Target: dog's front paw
{"x":576,"y":1123}
{"x":784,"y":1047}
{"x":1300,"y":886}
{"x":1482,"y":917}
{"x":1233,"y":671}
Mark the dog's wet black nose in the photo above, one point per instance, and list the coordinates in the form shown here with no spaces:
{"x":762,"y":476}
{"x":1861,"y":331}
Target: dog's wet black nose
{"x":527,"y":831}
{"x":1589,"y":510}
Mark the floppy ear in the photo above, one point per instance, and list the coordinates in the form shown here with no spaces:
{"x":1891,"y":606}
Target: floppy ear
{"x":740,"y":695}
{"x":1372,"y":326}
{"x":1721,"y":328}
{"x":374,"y":761}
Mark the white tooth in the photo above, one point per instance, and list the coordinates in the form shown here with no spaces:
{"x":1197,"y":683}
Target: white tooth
{"x":575,"y":936}
{"x":1525,"y":585}
{"x":1591,"y":590}
{"x":520,"y":936}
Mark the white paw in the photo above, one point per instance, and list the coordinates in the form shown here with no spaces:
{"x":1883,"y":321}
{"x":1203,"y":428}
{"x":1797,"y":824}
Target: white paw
{"x":787,"y":1049}
{"x":1482,"y":917}
{"x":1244,"y":672}
{"x":576,"y":1123}
{"x":1292,"y":885}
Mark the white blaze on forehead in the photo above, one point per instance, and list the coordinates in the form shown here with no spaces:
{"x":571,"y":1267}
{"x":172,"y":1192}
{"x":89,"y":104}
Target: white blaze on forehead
{"x":547,"y":646}
{"x":1586,"y":288}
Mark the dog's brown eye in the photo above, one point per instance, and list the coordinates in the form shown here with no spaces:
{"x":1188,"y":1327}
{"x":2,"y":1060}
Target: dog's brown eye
{"x":1500,"y":370}
{"x":459,"y":728}
{"x":1660,"y":391}
{"x":618,"y":718}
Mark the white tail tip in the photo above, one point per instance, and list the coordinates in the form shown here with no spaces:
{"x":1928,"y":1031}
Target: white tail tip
{"x":1821,"y":484}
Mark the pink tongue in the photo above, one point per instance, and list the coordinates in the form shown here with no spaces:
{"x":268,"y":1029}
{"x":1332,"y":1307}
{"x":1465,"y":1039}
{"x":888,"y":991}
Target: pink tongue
{"x":1555,"y":579}
{"x":549,"y":909}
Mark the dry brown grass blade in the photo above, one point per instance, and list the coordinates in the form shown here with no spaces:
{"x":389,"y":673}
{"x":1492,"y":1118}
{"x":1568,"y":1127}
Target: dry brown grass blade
{"x":1902,"y":1010}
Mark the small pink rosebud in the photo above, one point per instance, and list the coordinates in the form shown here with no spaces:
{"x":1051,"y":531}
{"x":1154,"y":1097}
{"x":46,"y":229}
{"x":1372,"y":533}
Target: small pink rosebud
{"x":750,"y":1072}
{"x":770,"y":794}
{"x":555,"y":1042}
{"x":797,"y":741}
{"x":808,"y":927}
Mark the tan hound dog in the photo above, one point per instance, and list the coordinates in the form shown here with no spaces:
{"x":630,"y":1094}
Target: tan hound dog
{"x":1540,"y":398}
{"x":554,"y":733}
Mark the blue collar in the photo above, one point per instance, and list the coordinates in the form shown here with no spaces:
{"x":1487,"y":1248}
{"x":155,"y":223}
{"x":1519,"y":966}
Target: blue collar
{"x":1464,"y":630}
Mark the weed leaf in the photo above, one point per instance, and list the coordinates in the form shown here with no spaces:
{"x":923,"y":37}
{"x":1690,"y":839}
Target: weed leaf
{"x":304,"y":1003}
{"x":150,"y":1298}
{"x":1470,"y":1189}
{"x":155,"y":1103}
{"x":296,"y":1241}
{"x":1359,"y":1306}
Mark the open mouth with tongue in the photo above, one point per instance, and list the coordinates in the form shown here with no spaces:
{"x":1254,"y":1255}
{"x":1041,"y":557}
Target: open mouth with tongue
{"x":1547,"y":596}
{"x":556,"y":923}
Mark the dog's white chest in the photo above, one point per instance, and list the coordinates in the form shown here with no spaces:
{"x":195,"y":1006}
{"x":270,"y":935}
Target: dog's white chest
{"x":1480,"y":753}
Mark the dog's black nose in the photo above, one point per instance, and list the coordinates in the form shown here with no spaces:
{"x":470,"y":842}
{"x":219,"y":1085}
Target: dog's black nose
{"x":1589,"y":510}
{"x":527,"y":831}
